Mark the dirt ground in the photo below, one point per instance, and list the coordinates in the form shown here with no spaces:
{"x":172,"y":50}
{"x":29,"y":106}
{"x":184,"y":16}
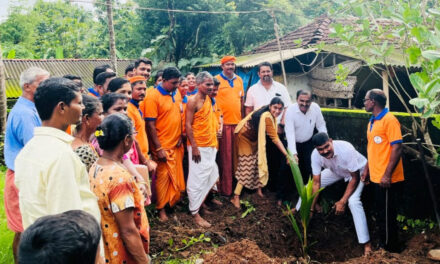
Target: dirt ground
{"x":266,"y":236}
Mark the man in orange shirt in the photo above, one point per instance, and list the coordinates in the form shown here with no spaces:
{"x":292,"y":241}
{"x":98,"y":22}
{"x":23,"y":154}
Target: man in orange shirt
{"x":385,"y":169}
{"x":139,"y":86}
{"x":142,"y":67}
{"x":230,"y":101}
{"x":94,"y":91}
{"x":164,"y":124}
{"x":202,"y":135}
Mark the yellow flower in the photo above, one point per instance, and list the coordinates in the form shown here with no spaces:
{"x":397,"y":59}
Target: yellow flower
{"x":99,"y":133}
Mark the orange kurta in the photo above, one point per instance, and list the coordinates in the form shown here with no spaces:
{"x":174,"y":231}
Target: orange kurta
{"x":204,"y":125}
{"x":229,"y":99}
{"x":162,"y":107}
{"x":139,"y":124}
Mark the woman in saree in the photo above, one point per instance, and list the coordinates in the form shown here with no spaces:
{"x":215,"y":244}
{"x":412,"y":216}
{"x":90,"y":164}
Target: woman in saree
{"x":251,"y":171}
{"x":124,"y":223}
{"x":92,"y":116}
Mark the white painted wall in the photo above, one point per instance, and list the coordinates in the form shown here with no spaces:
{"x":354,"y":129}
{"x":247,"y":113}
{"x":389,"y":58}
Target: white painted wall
{"x":295,"y":82}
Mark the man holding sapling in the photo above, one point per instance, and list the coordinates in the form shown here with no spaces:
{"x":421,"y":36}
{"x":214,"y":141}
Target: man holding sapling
{"x":385,"y":169}
{"x":341,"y":161}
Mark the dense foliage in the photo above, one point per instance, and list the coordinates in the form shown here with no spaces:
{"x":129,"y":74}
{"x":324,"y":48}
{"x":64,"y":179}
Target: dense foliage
{"x":64,"y":30}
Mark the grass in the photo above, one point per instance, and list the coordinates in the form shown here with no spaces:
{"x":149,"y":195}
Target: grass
{"x":6,"y":234}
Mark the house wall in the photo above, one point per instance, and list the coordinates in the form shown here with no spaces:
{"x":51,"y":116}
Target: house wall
{"x":295,"y":82}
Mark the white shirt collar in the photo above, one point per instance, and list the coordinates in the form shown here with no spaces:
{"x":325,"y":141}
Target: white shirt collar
{"x":54,"y":132}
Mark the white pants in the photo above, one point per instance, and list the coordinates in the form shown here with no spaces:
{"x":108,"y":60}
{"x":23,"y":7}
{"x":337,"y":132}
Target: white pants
{"x":354,"y":203}
{"x":202,"y":177}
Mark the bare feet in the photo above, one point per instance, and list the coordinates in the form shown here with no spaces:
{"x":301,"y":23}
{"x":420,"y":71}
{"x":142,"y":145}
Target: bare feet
{"x":260,"y":193}
{"x":236,"y":201}
{"x":205,"y":210}
{"x":216,"y":202}
{"x":200,"y":221}
{"x":367,"y":249}
{"x":163,"y":215}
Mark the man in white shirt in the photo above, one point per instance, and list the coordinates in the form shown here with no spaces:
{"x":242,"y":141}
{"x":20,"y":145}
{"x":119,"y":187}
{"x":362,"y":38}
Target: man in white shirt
{"x":301,"y":120}
{"x":258,"y":95}
{"x":265,"y":89}
{"x":341,"y":161}
{"x":50,"y":177}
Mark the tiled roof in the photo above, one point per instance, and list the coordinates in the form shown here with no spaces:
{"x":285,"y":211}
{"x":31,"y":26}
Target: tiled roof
{"x":80,"y":67}
{"x":312,"y":33}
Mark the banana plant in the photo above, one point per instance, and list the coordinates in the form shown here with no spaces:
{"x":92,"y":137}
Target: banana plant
{"x":307,"y":197}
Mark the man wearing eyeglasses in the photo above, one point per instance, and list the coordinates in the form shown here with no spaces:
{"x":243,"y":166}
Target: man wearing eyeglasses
{"x":301,"y":120}
{"x":384,"y":168}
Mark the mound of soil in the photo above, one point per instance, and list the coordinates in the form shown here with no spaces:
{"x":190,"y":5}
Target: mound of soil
{"x":266,"y":234}
{"x":243,"y":252}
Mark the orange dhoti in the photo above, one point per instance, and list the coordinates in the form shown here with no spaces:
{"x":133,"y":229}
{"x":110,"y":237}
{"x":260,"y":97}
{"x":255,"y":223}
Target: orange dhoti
{"x":169,"y":178}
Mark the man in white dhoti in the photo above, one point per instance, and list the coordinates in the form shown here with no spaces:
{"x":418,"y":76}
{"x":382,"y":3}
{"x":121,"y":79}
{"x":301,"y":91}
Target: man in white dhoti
{"x":201,"y":129}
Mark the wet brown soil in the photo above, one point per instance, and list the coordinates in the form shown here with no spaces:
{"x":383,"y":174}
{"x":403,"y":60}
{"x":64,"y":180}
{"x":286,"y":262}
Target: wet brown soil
{"x":265,"y":235}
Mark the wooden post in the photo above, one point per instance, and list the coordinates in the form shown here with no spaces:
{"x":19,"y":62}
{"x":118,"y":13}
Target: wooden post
{"x":3,"y":101}
{"x":386,"y":88}
{"x":111,"y":32}
{"x":275,"y":27}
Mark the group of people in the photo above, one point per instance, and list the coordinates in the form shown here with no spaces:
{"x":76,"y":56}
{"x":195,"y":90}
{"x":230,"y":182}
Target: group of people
{"x":105,"y":152}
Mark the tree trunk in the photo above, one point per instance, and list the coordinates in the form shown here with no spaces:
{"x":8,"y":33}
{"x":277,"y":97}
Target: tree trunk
{"x":3,"y":102}
{"x":275,"y":28}
{"x":111,"y":32}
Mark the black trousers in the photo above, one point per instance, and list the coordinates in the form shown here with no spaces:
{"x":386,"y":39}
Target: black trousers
{"x":275,"y":160}
{"x":286,"y":184}
{"x":304,"y":156}
{"x":386,"y":201}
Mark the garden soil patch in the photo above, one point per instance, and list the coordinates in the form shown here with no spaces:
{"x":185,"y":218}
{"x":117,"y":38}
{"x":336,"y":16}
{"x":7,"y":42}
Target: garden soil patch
{"x":266,"y":236}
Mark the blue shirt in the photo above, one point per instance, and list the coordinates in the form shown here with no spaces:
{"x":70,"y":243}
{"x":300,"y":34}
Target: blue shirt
{"x":22,"y":120}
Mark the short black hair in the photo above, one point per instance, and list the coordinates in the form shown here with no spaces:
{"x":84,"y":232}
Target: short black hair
{"x":72,"y":77}
{"x":115,"y":128}
{"x":320,"y":139}
{"x":265,"y":63}
{"x":116,"y":84}
{"x":70,"y":237}
{"x":158,"y":74}
{"x":130,"y":67}
{"x":142,"y":60}
{"x":171,"y":73}
{"x":216,"y":81}
{"x":108,"y":100}
{"x":51,"y":92}
{"x":103,"y":76}
{"x":99,"y":69}
{"x":303,"y":92}
{"x":378,"y":96}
